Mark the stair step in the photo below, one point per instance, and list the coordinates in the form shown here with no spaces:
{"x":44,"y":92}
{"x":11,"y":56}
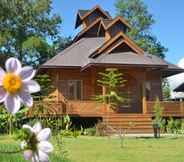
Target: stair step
{"x":132,"y":123}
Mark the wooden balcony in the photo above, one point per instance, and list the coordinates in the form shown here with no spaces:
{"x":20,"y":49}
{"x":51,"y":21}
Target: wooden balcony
{"x":70,"y":107}
{"x":171,"y":108}
{"x":92,"y":109}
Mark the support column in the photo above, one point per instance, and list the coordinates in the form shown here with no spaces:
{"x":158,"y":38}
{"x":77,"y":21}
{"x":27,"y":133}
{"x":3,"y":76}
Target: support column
{"x":144,"y":100}
{"x":93,"y":80}
{"x":57,"y":86}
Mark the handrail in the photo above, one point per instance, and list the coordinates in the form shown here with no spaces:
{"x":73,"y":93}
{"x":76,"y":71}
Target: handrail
{"x":171,"y":108}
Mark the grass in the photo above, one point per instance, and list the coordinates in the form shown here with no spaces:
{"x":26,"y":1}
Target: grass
{"x":102,"y":149}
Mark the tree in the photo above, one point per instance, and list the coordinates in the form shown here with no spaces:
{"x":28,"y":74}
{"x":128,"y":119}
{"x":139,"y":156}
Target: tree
{"x":136,"y":12}
{"x":111,"y":80}
{"x":28,"y":30}
{"x":63,"y":43}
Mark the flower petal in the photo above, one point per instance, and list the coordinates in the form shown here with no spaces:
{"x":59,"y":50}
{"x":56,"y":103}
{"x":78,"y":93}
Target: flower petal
{"x":45,"y":146}
{"x":44,"y":134}
{"x":28,"y":127}
{"x":31,"y":86}
{"x":37,"y":127}
{"x":12,"y":103}
{"x":28,"y":154}
{"x":26,"y":98}
{"x":13,"y":65}
{"x":3,"y":94}
{"x":2,"y":73}
{"x":43,"y":157}
{"x":27,"y":73}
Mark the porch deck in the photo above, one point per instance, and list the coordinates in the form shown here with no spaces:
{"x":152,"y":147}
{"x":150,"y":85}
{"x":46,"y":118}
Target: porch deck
{"x":92,"y":109}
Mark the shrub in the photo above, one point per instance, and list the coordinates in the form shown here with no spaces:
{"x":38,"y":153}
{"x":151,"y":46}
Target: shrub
{"x":91,"y":131}
{"x":174,"y":125}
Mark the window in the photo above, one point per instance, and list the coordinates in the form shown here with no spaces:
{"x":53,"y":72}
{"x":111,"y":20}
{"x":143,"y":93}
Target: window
{"x":72,"y":89}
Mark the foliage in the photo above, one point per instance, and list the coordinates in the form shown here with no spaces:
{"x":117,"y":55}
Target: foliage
{"x":67,"y":130}
{"x":90,"y":131}
{"x":46,"y":85}
{"x":111,"y":79}
{"x":63,"y":43}
{"x":158,"y":113}
{"x":166,"y":90}
{"x":173,"y":125}
{"x":7,"y":121}
{"x":26,"y":28}
{"x":136,"y":12}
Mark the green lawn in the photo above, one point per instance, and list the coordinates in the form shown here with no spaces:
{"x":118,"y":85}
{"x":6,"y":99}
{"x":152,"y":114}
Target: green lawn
{"x":102,"y":149}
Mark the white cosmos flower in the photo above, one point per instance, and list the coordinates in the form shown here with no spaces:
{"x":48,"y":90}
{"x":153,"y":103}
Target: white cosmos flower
{"x":39,"y":148}
{"x":16,"y":85}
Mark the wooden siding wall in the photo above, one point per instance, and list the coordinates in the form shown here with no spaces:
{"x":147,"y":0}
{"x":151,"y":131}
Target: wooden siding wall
{"x":134,"y":77}
{"x":154,"y":77}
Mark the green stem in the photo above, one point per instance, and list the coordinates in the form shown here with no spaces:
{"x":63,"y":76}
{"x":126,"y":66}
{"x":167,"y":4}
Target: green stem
{"x":10,"y":152}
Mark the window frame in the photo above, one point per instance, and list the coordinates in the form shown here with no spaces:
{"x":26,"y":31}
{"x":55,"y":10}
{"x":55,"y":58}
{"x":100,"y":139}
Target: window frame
{"x":67,"y":88}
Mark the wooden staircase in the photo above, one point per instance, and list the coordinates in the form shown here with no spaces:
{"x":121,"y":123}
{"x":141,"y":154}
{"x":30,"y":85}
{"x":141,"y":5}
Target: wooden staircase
{"x":130,"y":123}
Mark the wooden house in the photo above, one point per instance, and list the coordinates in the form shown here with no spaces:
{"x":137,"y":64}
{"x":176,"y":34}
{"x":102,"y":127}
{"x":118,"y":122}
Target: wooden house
{"x":103,"y":43}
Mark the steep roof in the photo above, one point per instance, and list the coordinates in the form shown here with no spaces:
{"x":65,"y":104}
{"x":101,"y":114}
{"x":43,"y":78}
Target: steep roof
{"x":82,"y":14}
{"x":78,"y":55}
{"x":117,"y":50}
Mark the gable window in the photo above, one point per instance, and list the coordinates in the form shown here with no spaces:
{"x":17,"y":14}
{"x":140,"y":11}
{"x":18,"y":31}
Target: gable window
{"x":71,"y":89}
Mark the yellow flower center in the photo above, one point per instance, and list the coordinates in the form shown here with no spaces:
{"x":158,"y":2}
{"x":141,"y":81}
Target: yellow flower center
{"x":12,"y":83}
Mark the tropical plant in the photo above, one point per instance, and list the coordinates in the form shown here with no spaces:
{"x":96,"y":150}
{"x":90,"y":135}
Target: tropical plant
{"x":158,"y":113}
{"x":111,"y":80}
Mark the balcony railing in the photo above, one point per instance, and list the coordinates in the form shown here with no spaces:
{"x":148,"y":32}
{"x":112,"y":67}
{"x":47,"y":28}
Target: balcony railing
{"x":171,"y":108}
{"x":71,"y":107}
{"x":91,"y":108}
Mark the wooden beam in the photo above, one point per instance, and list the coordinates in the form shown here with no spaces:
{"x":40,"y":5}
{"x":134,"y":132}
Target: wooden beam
{"x":57,"y":86}
{"x":144,"y":100}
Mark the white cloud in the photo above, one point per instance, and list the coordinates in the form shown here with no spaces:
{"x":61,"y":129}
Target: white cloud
{"x":176,"y":80}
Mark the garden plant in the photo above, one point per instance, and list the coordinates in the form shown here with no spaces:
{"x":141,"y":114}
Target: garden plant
{"x":16,"y":85}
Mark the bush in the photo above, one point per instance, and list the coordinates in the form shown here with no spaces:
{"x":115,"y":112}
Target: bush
{"x":90,"y":131}
{"x":174,"y":125}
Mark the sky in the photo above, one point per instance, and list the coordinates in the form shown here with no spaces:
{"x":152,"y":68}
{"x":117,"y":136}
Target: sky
{"x":169,"y":16}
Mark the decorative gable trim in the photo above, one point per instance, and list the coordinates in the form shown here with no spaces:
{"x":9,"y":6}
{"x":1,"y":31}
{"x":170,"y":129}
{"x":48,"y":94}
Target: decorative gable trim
{"x":87,"y":29}
{"x":80,"y":17}
{"x":120,"y":36}
{"x":119,"y":18}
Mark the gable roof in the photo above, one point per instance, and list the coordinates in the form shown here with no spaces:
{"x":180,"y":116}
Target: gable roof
{"x":105,"y":23}
{"x":80,"y":34}
{"x":110,"y":22}
{"x":120,"y":35}
{"x":78,"y":56}
{"x":82,"y":14}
